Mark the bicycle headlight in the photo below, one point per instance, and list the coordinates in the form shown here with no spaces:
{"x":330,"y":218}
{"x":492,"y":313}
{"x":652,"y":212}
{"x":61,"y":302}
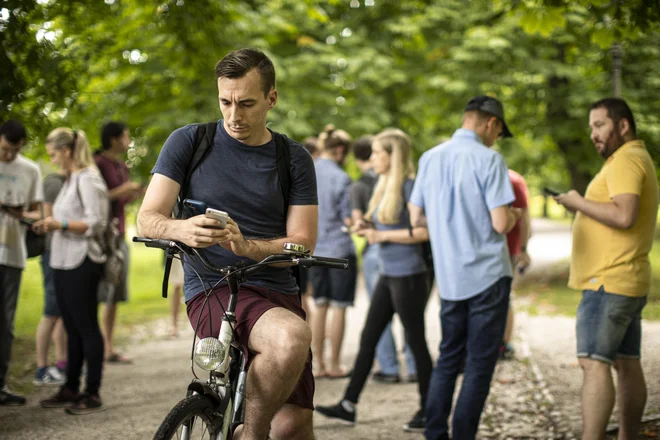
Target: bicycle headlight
{"x":209,"y":354}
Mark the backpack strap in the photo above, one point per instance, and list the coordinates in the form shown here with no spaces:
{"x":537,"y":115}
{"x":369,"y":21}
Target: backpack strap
{"x":283,"y":158}
{"x":204,"y":135}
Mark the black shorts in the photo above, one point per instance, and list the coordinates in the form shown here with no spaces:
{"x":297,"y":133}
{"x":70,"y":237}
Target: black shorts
{"x":334,"y":286}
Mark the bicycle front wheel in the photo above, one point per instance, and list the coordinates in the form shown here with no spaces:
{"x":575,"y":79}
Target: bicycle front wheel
{"x":193,"y":418}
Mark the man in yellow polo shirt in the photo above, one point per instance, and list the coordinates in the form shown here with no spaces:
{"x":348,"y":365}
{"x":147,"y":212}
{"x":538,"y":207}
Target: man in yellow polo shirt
{"x":612,"y":237}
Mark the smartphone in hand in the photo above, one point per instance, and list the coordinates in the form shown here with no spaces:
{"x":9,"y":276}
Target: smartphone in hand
{"x":550,"y":192}
{"x":216,"y":214}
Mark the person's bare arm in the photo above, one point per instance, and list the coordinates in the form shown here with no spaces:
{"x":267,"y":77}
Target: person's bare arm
{"x":34,"y":212}
{"x":154,"y":217}
{"x":504,"y":218}
{"x":301,"y":228}
{"x":403,"y":236}
{"x":125,"y":190}
{"x":620,"y":213}
{"x":417,"y":216}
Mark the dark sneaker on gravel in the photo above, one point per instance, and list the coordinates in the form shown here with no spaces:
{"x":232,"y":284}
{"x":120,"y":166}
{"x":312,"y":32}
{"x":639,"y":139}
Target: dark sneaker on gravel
{"x":8,"y":398}
{"x":64,"y":397}
{"x":417,"y":423}
{"x":341,"y":411}
{"x":87,"y":404}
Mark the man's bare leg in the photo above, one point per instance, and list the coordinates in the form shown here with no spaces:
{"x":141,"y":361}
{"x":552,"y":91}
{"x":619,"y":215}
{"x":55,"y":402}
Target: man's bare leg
{"x":337,"y":324}
{"x":108,"y":327}
{"x":281,"y":340}
{"x":318,"y":337}
{"x":597,"y":398}
{"x":292,"y":422}
{"x":631,"y":395}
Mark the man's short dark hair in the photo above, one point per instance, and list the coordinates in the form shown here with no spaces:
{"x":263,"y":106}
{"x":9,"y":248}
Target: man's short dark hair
{"x":239,"y":62}
{"x":362,"y":148}
{"x":110,"y":131}
{"x":13,"y":131}
{"x":617,"y":109}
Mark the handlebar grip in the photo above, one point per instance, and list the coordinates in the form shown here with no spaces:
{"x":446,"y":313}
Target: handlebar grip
{"x":333,"y":263}
{"x":154,"y":242}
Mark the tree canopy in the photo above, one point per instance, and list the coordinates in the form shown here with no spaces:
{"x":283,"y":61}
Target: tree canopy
{"x":362,"y":65}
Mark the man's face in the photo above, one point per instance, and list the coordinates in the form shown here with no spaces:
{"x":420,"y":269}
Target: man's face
{"x":604,"y":133}
{"x":493,"y":132}
{"x":124,"y":141}
{"x":244,"y":107}
{"x":9,"y":151}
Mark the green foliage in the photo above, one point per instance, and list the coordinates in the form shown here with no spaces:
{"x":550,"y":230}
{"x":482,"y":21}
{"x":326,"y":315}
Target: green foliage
{"x":362,"y":65}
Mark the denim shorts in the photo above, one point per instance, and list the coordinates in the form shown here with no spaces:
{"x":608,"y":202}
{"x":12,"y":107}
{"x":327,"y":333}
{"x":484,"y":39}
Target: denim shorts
{"x":609,"y":326}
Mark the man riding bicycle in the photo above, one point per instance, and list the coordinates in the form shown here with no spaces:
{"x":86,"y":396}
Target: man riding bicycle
{"x":239,"y":175}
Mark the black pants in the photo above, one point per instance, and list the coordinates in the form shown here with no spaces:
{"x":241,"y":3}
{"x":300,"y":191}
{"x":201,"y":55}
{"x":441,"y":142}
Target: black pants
{"x":405,"y":296}
{"x":76,"y":292}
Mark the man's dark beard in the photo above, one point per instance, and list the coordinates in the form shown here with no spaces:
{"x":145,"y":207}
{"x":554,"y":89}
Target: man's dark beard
{"x":613,"y":142}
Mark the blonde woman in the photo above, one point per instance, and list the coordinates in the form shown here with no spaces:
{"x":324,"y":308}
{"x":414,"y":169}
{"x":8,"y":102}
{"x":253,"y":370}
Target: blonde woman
{"x":403,"y":285}
{"x":80,"y":211}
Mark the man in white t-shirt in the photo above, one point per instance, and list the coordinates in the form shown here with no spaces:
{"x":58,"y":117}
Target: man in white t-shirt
{"x":21,"y":195}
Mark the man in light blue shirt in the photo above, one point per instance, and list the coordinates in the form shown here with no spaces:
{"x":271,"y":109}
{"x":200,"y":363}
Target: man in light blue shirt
{"x":463,"y":193}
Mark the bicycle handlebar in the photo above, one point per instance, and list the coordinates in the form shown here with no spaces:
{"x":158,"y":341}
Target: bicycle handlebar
{"x":303,"y":260}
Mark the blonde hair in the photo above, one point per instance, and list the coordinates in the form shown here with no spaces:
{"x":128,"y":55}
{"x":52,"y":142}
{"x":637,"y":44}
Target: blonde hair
{"x":331,"y":138}
{"x":63,"y":138}
{"x":388,"y":194}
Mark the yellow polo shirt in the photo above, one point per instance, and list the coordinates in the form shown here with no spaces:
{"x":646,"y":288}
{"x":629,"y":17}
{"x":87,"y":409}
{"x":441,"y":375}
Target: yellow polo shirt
{"x":615,"y":258}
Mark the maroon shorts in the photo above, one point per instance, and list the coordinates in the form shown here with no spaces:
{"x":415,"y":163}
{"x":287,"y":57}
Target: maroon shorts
{"x":253,"y":302}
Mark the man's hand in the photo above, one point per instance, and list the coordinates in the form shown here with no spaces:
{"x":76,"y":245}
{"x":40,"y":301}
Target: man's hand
{"x":235,"y":241}
{"x":523,"y":261}
{"x":571,"y":200}
{"x":373,"y":236}
{"x":201,"y":232}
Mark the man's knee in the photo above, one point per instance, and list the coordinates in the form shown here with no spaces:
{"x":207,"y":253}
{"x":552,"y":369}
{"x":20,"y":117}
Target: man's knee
{"x":289,"y":340}
{"x":627,"y":367}
{"x":292,"y":422}
{"x":589,"y":365}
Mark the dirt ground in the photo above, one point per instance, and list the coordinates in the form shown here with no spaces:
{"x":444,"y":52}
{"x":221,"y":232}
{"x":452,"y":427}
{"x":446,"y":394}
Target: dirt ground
{"x":534,"y":396}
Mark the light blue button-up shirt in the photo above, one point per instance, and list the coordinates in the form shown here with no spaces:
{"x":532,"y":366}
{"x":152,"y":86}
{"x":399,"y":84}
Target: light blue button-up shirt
{"x":458,"y":183}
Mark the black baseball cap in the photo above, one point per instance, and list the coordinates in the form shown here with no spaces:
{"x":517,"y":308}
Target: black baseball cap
{"x":491,"y":106}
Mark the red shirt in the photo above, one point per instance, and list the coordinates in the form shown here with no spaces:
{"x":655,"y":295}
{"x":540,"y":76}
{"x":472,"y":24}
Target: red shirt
{"x":114,"y":174}
{"x":520,"y":191}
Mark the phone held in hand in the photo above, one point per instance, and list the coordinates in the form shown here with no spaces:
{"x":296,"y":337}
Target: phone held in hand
{"x":215,"y":214}
{"x":550,"y":192}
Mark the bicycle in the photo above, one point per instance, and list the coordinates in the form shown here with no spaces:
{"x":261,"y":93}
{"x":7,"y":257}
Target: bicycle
{"x":212,"y":408}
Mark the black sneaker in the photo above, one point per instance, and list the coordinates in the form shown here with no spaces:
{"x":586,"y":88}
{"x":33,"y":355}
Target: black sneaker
{"x":64,"y":397}
{"x":87,"y":404}
{"x":7,"y":398}
{"x":417,"y":423}
{"x":339,"y":412}
{"x":379,"y":376}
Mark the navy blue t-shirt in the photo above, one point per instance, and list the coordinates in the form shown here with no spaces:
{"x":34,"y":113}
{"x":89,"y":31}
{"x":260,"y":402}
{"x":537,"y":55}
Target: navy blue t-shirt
{"x":243,"y":181}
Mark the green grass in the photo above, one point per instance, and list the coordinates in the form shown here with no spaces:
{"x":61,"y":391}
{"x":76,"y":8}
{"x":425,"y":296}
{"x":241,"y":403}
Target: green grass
{"x":553,"y":297}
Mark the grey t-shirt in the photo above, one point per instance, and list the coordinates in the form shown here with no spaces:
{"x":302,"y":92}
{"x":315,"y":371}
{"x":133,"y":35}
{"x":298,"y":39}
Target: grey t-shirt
{"x":334,"y":206}
{"x":52,"y":186}
{"x":398,"y":259}
{"x":361,"y":191}
{"x":243,"y":181}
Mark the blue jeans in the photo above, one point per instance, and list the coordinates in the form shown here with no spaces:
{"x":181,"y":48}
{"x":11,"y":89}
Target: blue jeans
{"x":472,"y":328}
{"x":386,"y":353}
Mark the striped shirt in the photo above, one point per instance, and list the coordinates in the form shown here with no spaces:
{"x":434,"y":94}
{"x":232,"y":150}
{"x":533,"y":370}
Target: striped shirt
{"x":84,"y":197}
